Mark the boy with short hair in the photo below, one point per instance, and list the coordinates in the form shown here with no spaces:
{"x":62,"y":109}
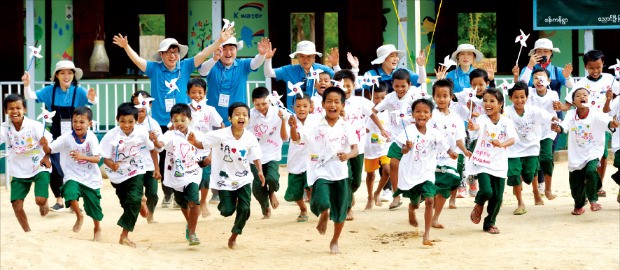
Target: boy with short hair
{"x":205,"y":118}
{"x":358,"y":109}
{"x":330,"y":142}
{"x":29,"y":163}
{"x":79,"y":154}
{"x":233,"y":149}
{"x":268,"y":124}
{"x":182,"y":172}
{"x":324,"y":81}
{"x":124,"y":165}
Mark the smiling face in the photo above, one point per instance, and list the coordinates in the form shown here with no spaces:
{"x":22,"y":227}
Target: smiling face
{"x":391,"y":61}
{"x":239,"y":118}
{"x":421,"y":113}
{"x":479,"y":84}
{"x":81,"y":123}
{"x":400,"y":87}
{"x":65,"y":78}
{"x":442,"y":97}
{"x":126,"y":123}
{"x":16,"y":111}
{"x":229,"y":54}
{"x":518,"y":99}
{"x":141,"y":111}
{"x":350,"y":86}
{"x":465,"y":58}
{"x":492,"y":106}
{"x":302,"y":108}
{"x":595,"y":68}
{"x":323,"y":82}
{"x":196,"y":93}
{"x":305,"y":60}
{"x":377,"y":97}
{"x":261,"y":105}
{"x":580,"y":98}
{"x":170,"y":57}
{"x":540,"y":88}
{"x":180,"y":121}
{"x":333,"y":105}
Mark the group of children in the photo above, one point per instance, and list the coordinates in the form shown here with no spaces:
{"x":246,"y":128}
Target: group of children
{"x":423,"y":144}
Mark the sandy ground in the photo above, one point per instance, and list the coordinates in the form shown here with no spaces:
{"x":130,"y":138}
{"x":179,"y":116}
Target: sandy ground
{"x":547,"y":237}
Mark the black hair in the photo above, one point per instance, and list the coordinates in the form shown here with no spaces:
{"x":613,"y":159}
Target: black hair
{"x":127,"y":108}
{"x":479,"y":73}
{"x":304,"y":97}
{"x":574,"y":92}
{"x":424,"y":101}
{"x":498,"y":95}
{"x":518,"y":86}
{"x":84,"y":111}
{"x":336,"y":90}
{"x":383,"y":87}
{"x":443,"y":83}
{"x":140,"y":92}
{"x":235,"y":105}
{"x":401,"y":74}
{"x":199,"y":82}
{"x":536,"y":70}
{"x":181,"y":108}
{"x":260,"y":92}
{"x":344,"y":74}
{"x":592,"y":56}
{"x":12,"y":98}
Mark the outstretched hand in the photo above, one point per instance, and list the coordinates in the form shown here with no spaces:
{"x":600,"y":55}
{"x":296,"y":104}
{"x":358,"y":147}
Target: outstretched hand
{"x":334,"y":57}
{"x":421,"y":59}
{"x":263,"y":46}
{"x":355,"y":63}
{"x":120,"y":40}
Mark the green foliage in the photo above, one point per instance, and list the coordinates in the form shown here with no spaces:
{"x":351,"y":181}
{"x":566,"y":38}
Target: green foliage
{"x":479,"y":29}
{"x":331,"y":30}
{"x":152,"y":24}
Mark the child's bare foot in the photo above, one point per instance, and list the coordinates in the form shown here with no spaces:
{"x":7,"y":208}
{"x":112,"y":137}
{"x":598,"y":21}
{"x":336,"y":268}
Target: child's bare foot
{"x":44,"y":210}
{"x":274,"y":200}
{"x":204,"y":210}
{"x":350,"y":215}
{"x":368,"y":205}
{"x":232,"y":241}
{"x":452,"y":202}
{"x":539,"y":201}
{"x":144,"y":210}
{"x":267,"y":213}
{"x":549,"y":195}
{"x":412,"y":220}
{"x":78,"y":223}
{"x":126,"y":242}
{"x":322,"y":226}
{"x":150,"y":219}
{"x":377,"y":198}
{"x":97,"y":235}
{"x":333,"y":247}
{"x":427,"y":242}
{"x":436,"y":224}
{"x":353,"y":200}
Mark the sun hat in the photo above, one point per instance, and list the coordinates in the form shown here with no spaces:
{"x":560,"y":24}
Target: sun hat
{"x":384,"y":51}
{"x":66,"y":64}
{"x":305,"y":47}
{"x":543,"y":43}
{"x":467,"y":48}
{"x":233,"y":41}
{"x":165,"y":44}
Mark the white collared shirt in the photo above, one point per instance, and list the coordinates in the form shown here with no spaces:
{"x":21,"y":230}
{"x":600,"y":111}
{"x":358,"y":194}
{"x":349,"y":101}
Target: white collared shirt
{"x":266,"y":129}
{"x":83,"y":172}
{"x":23,"y":149}
{"x":149,"y":124}
{"x":586,"y":137}
{"x":128,"y":153}
{"x":546,"y":103}
{"x":419,"y":164}
{"x":180,"y":164}
{"x":453,"y":129}
{"x":487,"y":158}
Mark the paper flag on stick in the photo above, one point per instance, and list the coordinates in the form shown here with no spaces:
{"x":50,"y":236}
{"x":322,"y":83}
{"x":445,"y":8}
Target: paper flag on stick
{"x":521,"y":38}
{"x":505,"y":86}
{"x":34,"y":52}
{"x":46,"y":115}
{"x":143,"y":102}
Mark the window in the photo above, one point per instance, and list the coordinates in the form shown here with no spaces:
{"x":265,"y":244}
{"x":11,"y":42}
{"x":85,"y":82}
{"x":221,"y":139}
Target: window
{"x":152,"y":32}
{"x":479,"y":29}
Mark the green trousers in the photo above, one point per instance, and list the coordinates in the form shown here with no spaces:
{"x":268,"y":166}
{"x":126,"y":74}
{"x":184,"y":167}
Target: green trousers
{"x":584,"y":184}
{"x":129,"y":195}
{"x":491,"y":190}
{"x":272,"y":183}
{"x":239,"y":201}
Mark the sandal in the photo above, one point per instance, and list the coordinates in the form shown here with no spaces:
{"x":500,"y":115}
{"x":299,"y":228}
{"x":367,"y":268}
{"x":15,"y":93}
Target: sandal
{"x":492,"y":230}
{"x":519,"y":211}
{"x":595,"y":207}
{"x":578,"y":211}
{"x":395,"y":205}
{"x":475,"y":216}
{"x":302,"y":218}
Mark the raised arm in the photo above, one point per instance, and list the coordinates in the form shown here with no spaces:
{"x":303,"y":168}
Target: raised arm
{"x":259,"y":59}
{"x":28,"y":93}
{"x":268,"y":70}
{"x":202,"y":55}
{"x":122,"y":42}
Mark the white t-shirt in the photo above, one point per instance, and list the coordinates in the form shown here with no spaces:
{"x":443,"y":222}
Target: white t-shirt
{"x":529,"y":127}
{"x":23,"y":149}
{"x":126,"y":149}
{"x":597,"y":90}
{"x":266,"y":129}
{"x":376,"y":145}
{"x":395,"y":107}
{"x":453,"y":129}
{"x":83,"y":172}
{"x":544,"y":102}
{"x":231,"y":158}
{"x":297,"y":153}
{"x":586,"y":137}
{"x":356,"y":110}
{"x":615,"y":114}
{"x":477,"y":107}
{"x":323,"y":143}
{"x":419,"y":164}
{"x":204,"y":118}
{"x":180,"y":164}
{"x":149,"y":124}
{"x":487,"y":158}
{"x":317,"y":101}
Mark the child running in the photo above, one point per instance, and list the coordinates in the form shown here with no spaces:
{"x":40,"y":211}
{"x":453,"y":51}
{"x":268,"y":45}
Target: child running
{"x":233,"y":149}
{"x":124,"y":165}
{"x":586,"y":129}
{"x":182,"y":172}
{"x":489,"y":160}
{"x":295,"y":162}
{"x":29,"y":163}
{"x":205,"y":118}
{"x":330,"y":142}
{"x":79,"y":155}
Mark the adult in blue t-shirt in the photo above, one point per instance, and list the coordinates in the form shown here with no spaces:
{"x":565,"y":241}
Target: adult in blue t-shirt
{"x":305,"y":54}
{"x":387,"y":62}
{"x":227,"y":76}
{"x":464,"y":56}
{"x":61,"y":97}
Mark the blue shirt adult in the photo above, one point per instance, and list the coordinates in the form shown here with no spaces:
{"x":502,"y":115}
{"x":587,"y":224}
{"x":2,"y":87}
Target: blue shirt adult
{"x":295,"y":74}
{"x":159,"y":74}
{"x":556,"y":79}
{"x":228,"y":84}
{"x":387,"y":78}
{"x":460,"y":78}
{"x":63,"y":99}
